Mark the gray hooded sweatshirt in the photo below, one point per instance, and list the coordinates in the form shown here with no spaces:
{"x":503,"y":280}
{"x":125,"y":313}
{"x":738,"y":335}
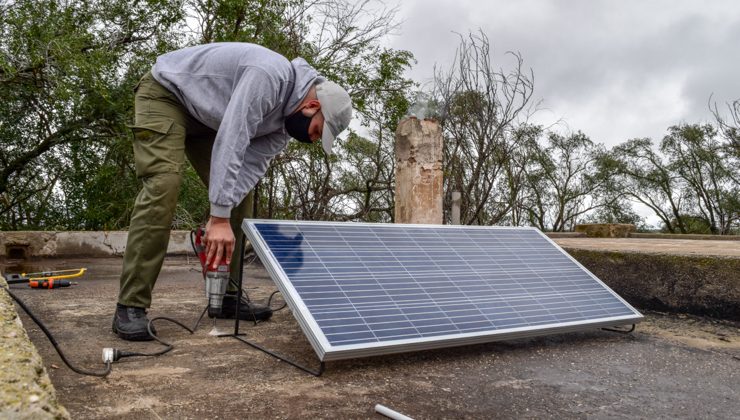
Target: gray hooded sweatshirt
{"x":244,"y":92}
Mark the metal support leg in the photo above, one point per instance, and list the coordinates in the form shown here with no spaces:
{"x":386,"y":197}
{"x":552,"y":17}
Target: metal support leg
{"x":313,"y":372}
{"x":239,"y":286}
{"x":237,"y":335}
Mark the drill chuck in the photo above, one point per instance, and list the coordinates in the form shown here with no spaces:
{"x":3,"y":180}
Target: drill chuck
{"x":216,"y":283}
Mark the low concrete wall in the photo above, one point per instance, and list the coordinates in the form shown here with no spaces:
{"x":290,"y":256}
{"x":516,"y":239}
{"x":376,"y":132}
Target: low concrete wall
{"x":701,"y":285}
{"x":699,"y":277}
{"x":557,"y":235}
{"x":606,"y":230}
{"x":74,"y":244}
{"x":25,"y":389}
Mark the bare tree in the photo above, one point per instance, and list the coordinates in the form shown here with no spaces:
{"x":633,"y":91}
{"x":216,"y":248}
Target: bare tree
{"x":729,"y":126}
{"x":479,"y":107}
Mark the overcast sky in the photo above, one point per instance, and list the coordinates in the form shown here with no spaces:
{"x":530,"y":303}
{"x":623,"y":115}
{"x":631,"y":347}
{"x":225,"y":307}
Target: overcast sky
{"x":615,"y":69}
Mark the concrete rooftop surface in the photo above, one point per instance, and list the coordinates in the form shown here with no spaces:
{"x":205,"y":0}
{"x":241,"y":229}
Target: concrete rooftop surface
{"x":672,"y":366}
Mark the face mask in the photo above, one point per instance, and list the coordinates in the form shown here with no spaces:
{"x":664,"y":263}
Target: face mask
{"x":297,"y":126}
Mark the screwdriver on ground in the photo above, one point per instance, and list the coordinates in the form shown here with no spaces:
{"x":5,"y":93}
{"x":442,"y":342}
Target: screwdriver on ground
{"x":50,"y":284}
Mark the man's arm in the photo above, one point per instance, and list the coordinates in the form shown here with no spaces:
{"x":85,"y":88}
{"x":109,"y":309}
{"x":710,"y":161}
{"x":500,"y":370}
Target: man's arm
{"x":257,"y":159}
{"x":253,"y":98}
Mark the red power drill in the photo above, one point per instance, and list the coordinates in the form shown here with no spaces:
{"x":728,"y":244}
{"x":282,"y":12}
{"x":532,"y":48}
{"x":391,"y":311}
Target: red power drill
{"x":215,"y":280}
{"x":199,"y":247}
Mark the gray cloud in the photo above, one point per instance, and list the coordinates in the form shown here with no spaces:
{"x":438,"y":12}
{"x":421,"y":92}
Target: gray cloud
{"x":612,"y":69}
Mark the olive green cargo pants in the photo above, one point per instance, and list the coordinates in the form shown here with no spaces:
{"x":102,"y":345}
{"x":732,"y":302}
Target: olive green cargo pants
{"x":164,"y":133}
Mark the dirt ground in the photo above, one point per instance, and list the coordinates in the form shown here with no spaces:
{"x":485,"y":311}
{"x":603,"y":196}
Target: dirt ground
{"x":672,"y":366}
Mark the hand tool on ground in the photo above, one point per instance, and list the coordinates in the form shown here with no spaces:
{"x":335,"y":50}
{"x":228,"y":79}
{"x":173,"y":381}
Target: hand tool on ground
{"x":44,"y":275}
{"x":50,"y":284}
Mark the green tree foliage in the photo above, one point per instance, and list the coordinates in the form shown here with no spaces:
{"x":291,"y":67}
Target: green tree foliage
{"x":617,"y":211}
{"x":562,"y":182}
{"x":643,"y":175}
{"x":692,"y":176}
{"x":615,"y":205}
{"x":696,"y":154}
{"x":517,"y":181}
{"x":66,"y":73}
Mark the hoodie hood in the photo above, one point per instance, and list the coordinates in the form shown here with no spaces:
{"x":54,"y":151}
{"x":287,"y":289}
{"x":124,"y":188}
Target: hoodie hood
{"x":305,"y":77}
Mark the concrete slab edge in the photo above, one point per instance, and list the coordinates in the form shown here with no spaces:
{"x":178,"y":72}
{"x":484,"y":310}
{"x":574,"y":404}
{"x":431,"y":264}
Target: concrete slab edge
{"x":26,"y":392}
{"x":26,"y":244}
{"x":699,"y":285}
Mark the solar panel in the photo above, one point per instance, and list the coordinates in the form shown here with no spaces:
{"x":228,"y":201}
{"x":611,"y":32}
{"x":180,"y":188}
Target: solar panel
{"x":364,"y":289}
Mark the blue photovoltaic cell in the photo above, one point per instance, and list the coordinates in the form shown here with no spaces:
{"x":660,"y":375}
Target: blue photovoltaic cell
{"x":372,"y":283}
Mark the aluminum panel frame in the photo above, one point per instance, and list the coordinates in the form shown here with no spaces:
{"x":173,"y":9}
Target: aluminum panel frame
{"x":327,"y":352}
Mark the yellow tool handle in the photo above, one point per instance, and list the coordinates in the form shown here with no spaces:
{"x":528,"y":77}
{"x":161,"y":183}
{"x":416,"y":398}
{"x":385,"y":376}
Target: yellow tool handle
{"x":56,"y":275}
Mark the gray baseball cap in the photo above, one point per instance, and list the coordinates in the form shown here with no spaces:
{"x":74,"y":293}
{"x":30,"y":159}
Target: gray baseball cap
{"x":336,"y":106}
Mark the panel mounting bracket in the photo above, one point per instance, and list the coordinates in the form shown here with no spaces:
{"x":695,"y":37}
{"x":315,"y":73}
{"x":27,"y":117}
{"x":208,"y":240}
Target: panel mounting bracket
{"x":238,"y":336}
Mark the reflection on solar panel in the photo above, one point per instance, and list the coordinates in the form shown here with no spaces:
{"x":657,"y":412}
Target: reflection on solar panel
{"x":361,"y":289}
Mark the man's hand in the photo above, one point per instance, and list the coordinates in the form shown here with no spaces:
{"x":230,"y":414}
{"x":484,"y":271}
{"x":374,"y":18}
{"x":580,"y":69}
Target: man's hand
{"x":219,"y":242}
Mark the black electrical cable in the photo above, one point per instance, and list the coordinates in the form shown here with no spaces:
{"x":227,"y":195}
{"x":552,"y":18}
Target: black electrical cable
{"x":119,"y":354}
{"x":116,"y":353}
{"x":269,"y":302}
{"x":245,"y":298}
{"x":192,"y":241}
{"x":53,"y":341}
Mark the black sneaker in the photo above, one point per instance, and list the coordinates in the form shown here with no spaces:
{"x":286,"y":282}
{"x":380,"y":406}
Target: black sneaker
{"x":130,"y":323}
{"x":248,"y":311}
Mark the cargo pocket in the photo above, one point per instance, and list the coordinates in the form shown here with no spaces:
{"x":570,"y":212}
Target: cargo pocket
{"x":159,"y":147}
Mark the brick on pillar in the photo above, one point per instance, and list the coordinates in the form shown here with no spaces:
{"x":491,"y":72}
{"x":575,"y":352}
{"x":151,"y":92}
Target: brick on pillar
{"x":418,"y":172}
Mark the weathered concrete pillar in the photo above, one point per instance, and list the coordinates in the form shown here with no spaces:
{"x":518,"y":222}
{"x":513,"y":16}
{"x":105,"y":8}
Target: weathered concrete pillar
{"x":418,"y":172}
